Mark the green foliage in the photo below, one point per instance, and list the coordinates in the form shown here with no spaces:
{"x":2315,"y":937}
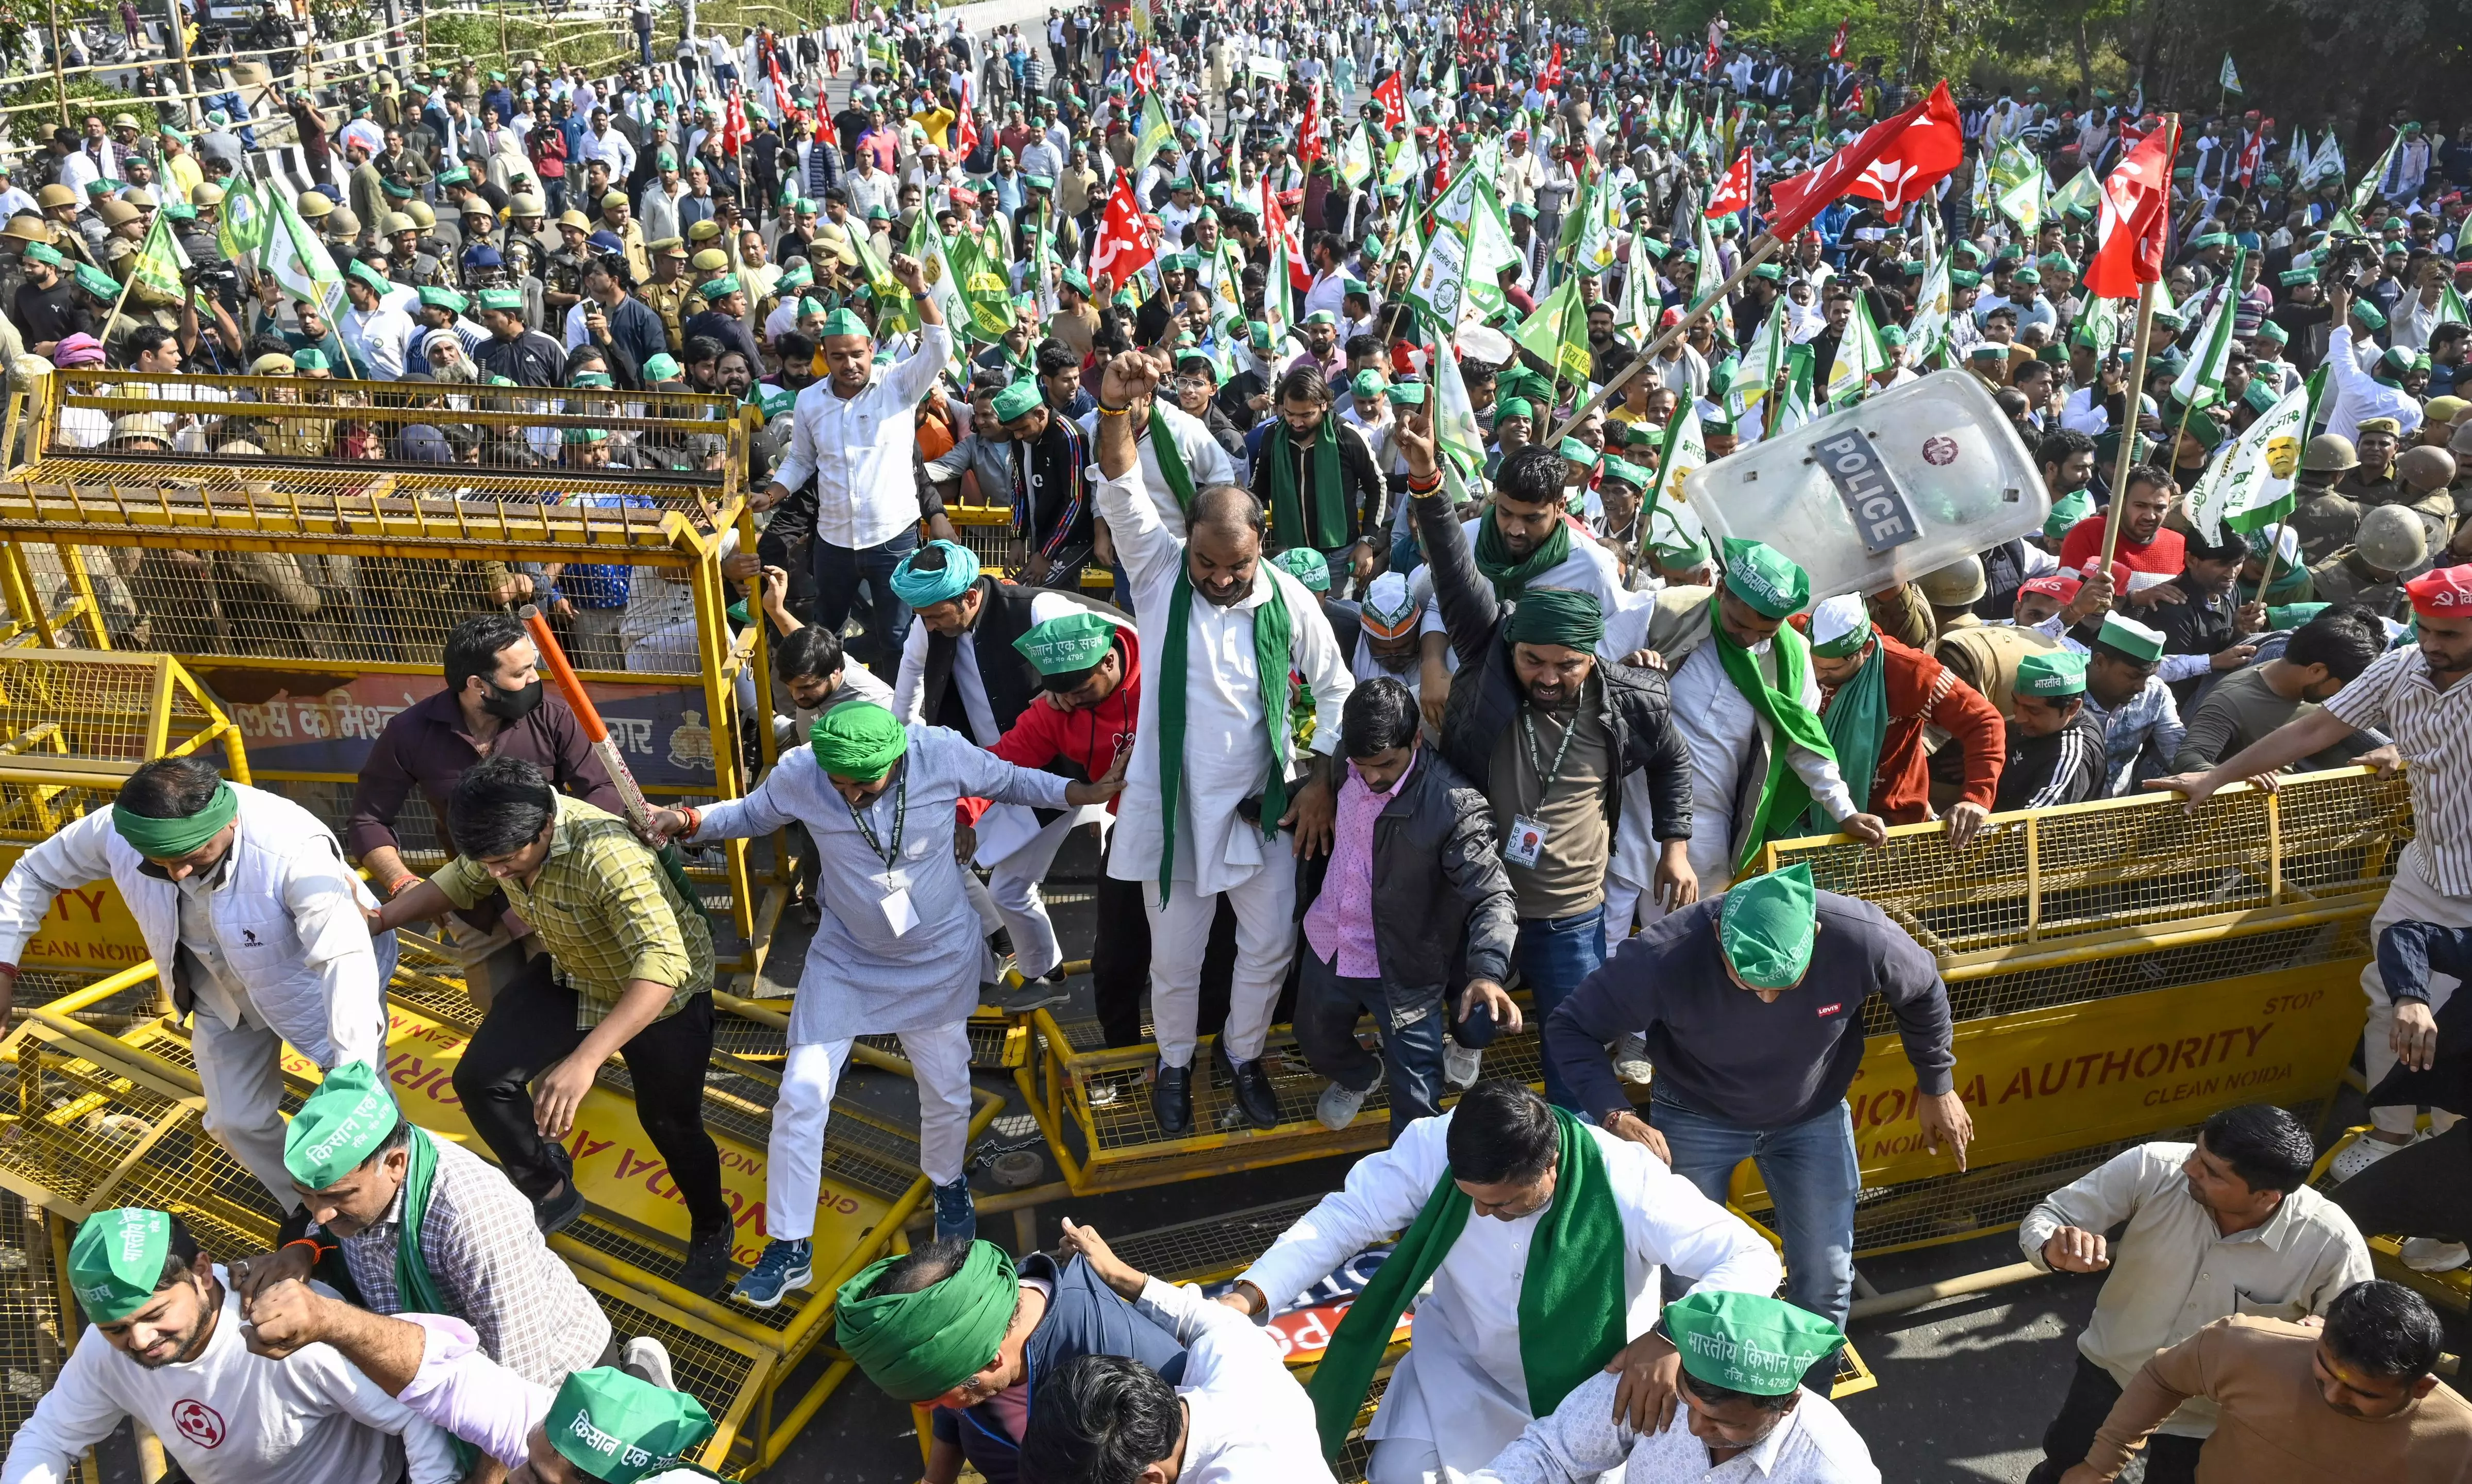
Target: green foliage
{"x":85,"y":96}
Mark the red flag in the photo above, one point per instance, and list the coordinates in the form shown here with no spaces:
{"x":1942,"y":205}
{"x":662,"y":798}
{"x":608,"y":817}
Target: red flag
{"x":1125,"y":245}
{"x":1145,"y":73}
{"x":1916,"y":159}
{"x":2135,"y":222}
{"x":1392,"y":95}
{"x":1799,"y":198}
{"x":1552,"y":76}
{"x":1734,"y":192}
{"x":781,"y":102}
{"x":734,"y":133}
{"x":1309,"y":143}
{"x":1708,"y":63}
{"x":965,"y":132}
{"x":1837,"y":43}
{"x":2254,"y":154}
{"x":1275,"y":221}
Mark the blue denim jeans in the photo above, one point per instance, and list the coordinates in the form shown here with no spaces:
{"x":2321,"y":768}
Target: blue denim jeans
{"x":1810,"y":1172}
{"x":1553,"y":956}
{"x":839,"y":570}
{"x":1328,"y":1004}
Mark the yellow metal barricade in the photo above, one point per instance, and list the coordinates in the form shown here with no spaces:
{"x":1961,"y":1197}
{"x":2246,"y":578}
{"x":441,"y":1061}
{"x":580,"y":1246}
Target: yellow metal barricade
{"x":304,"y":547}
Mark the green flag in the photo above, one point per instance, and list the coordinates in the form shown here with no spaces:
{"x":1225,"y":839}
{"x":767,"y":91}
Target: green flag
{"x":1356,"y":158}
{"x":2230,"y":76}
{"x":1151,"y":132}
{"x":1927,"y":333}
{"x":2367,"y":190}
{"x":1669,"y":522}
{"x":2251,"y":485}
{"x":1490,"y":250}
{"x":161,"y":262}
{"x":2200,"y":383}
{"x":240,"y":231}
{"x":1860,"y":356}
{"x":1440,"y":285}
{"x":986,"y":299}
{"x":2082,"y":193}
{"x":892,"y":312}
{"x":927,"y":245}
{"x":1557,"y":333}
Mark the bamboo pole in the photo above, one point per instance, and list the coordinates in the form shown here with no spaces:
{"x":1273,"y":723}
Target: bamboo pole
{"x":2133,"y":404}
{"x":59,"y":78}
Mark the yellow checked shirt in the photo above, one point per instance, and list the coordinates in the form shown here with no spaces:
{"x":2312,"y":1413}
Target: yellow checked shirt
{"x":604,"y":909}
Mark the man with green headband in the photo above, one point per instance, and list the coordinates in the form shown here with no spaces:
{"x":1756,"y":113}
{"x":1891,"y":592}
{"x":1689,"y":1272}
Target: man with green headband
{"x":854,"y":433}
{"x":622,"y":1424}
{"x":168,"y":1345}
{"x":1747,"y":703}
{"x":254,"y":920}
{"x":897,"y":952}
{"x":1556,"y":734}
{"x":1545,"y":1242}
{"x":1225,"y":762}
{"x":425,"y":1226}
{"x":1743,"y":1356}
{"x":1754,"y":1036}
{"x":1878,"y":698}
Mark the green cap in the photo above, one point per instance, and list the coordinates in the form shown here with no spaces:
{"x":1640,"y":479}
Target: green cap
{"x":584,"y":436}
{"x":662,"y":367}
{"x":2291,"y":615}
{"x":2057,"y":672}
{"x":339,"y":1126}
{"x":117,"y":1259}
{"x":719,"y":288}
{"x":1576,"y":451}
{"x":844,"y":321}
{"x":1016,"y":399}
{"x":1626,"y":471}
{"x":45,"y":253}
{"x":1756,"y":573}
{"x":2268,"y":329}
{"x":1766,"y":926}
{"x":309,"y":359}
{"x":2130,"y":637}
{"x":593,"y":381}
{"x":1306,"y":566}
{"x":1964,"y":278}
{"x":2369,"y":314}
{"x":1368,"y":384}
{"x":97,"y":282}
{"x":1840,"y":627}
{"x":2066,"y":511}
{"x":618,"y":1429}
{"x":2293,"y":277}
{"x":775,"y":401}
{"x":371,"y":278}
{"x":434,"y":298}
{"x":1067,"y":645}
{"x":1407,"y":393}
{"x":1748,"y":1342}
{"x":503,"y":300}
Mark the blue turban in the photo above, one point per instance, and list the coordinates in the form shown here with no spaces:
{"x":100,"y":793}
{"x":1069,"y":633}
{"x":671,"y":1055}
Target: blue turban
{"x":926,"y":588}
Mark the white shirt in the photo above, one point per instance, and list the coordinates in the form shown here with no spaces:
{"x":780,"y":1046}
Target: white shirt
{"x":1247,"y":1419}
{"x":857,"y":448}
{"x":612,"y":146}
{"x":2173,"y":1272}
{"x":228,"y":1417}
{"x":1717,"y":720}
{"x":1464,"y":1386}
{"x":380,"y":340}
{"x":909,"y":697}
{"x":1226,"y":744}
{"x":1814,"y":1444}
{"x":1205,"y":460}
{"x":1329,"y":292}
{"x":2358,"y":396}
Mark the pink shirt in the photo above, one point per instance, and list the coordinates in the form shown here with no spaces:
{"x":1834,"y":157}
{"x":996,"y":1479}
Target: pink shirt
{"x":1339,"y":924}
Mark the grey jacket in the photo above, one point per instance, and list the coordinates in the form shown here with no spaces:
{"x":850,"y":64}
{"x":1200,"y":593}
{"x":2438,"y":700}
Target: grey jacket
{"x":1443,"y":908}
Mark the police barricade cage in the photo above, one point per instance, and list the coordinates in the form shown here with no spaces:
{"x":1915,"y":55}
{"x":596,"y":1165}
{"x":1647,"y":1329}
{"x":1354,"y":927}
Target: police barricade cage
{"x":311,"y":585}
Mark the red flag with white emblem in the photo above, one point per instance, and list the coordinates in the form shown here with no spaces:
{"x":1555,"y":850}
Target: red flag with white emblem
{"x":1917,"y":159}
{"x":1734,"y":192}
{"x":1837,"y":43}
{"x":1309,"y":141}
{"x":1125,"y":245}
{"x":1145,"y":73}
{"x":1913,"y":165}
{"x":1392,"y":95}
{"x":2135,"y":222}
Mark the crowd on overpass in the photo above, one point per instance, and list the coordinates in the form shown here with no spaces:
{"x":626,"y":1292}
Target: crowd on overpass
{"x":1361,"y":361}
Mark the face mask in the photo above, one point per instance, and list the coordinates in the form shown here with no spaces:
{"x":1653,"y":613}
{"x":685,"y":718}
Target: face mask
{"x":513,"y":705}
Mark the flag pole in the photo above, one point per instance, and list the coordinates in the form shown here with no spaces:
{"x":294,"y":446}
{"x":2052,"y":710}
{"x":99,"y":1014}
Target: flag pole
{"x":2132,"y":402}
{"x":1760,"y":252}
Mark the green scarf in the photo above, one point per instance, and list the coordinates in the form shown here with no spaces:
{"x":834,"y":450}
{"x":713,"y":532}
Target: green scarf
{"x":413,"y":1288}
{"x":1857,"y":722}
{"x":1783,"y":798}
{"x":1326,"y":528}
{"x":1171,"y":460}
{"x":1573,"y":1303}
{"x":1511,"y":575}
{"x":1273,"y":628}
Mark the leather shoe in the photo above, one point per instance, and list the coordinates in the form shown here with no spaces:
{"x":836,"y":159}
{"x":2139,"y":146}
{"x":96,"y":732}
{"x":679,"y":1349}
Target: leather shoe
{"x":1171,"y":1098}
{"x":707,"y":1263}
{"x":1255,"y":1098}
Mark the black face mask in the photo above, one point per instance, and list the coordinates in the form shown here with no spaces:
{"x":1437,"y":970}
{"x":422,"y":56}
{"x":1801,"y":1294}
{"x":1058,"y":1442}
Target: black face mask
{"x":511,"y":706}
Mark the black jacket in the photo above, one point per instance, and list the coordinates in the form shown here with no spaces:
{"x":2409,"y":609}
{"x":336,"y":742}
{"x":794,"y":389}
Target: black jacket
{"x":1485,"y":698}
{"x":1443,"y":908}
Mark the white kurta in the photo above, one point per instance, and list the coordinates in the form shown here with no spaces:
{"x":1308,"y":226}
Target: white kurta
{"x":1227,"y":746}
{"x":1249,"y":1420}
{"x":1462,"y":1386}
{"x":229,"y":1417}
{"x":1717,"y":720}
{"x":862,"y":978}
{"x":1207,"y":463}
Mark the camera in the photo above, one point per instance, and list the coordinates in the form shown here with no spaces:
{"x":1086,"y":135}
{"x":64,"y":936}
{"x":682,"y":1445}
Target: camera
{"x":2349,"y":257}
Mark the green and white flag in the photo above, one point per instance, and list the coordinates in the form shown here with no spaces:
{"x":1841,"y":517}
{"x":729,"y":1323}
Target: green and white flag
{"x":2103,"y":324}
{"x":2022,"y":202}
{"x":1042,"y":271}
{"x":2230,"y":78}
{"x":2329,"y":160}
{"x":1671,"y":523}
{"x":240,"y":231}
{"x":1274,"y":296}
{"x":1406,"y":163}
{"x":1557,"y":333}
{"x":298,"y":261}
{"x":2250,"y":486}
{"x":1860,"y":356}
{"x":1356,"y":157}
{"x":1600,"y":233}
{"x":1490,"y":250}
{"x":2451,"y":308}
{"x":1456,"y":435}
{"x":1641,"y":305}
{"x":894,"y":314}
{"x":1440,"y":285}
{"x":161,"y":262}
{"x":2200,"y":383}
{"x":943,"y":285}
{"x":2082,"y":193}
{"x":1151,"y":130}
{"x":2366,"y":191}
{"x":1928,"y":331}
{"x":1762,"y":362}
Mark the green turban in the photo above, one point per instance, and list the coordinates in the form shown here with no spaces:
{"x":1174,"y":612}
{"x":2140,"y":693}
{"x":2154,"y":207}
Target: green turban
{"x":1306,"y":566}
{"x":117,"y":1259}
{"x":170,"y":839}
{"x":1557,"y":616}
{"x":1748,"y":1342}
{"x":1759,"y":575}
{"x":340,"y":1125}
{"x":859,"y":742}
{"x":2052,"y":674}
{"x":926,"y":586}
{"x":918,"y":1346}
{"x":1511,"y":407}
{"x":1067,"y":645}
{"x":1766,"y":926}
{"x":618,"y":1429}
{"x":1017,"y":400}
{"x":2066,"y":511}
{"x":846,"y":321}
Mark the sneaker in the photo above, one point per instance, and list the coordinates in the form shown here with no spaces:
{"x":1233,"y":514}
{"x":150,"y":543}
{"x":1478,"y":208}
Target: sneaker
{"x":784,"y":1266}
{"x":2362,"y":1153}
{"x":1171,"y":1098}
{"x":957,"y":1216}
{"x":648,"y":1360}
{"x":1021,"y":999}
{"x":1461,"y":1066}
{"x":707,"y":1263}
{"x":1630,"y":1061}
{"x":1339,"y":1106}
{"x":1255,"y":1098}
{"x":2429,"y":1255}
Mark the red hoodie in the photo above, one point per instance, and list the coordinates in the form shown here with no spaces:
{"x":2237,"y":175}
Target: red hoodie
{"x":1088,"y":738}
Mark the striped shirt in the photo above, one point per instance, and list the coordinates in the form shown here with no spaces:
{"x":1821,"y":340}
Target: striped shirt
{"x":2433,"y":729}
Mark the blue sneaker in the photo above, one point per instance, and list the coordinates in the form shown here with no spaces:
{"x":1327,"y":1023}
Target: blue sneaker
{"x":784,"y":1266}
{"x":957,"y":1217}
